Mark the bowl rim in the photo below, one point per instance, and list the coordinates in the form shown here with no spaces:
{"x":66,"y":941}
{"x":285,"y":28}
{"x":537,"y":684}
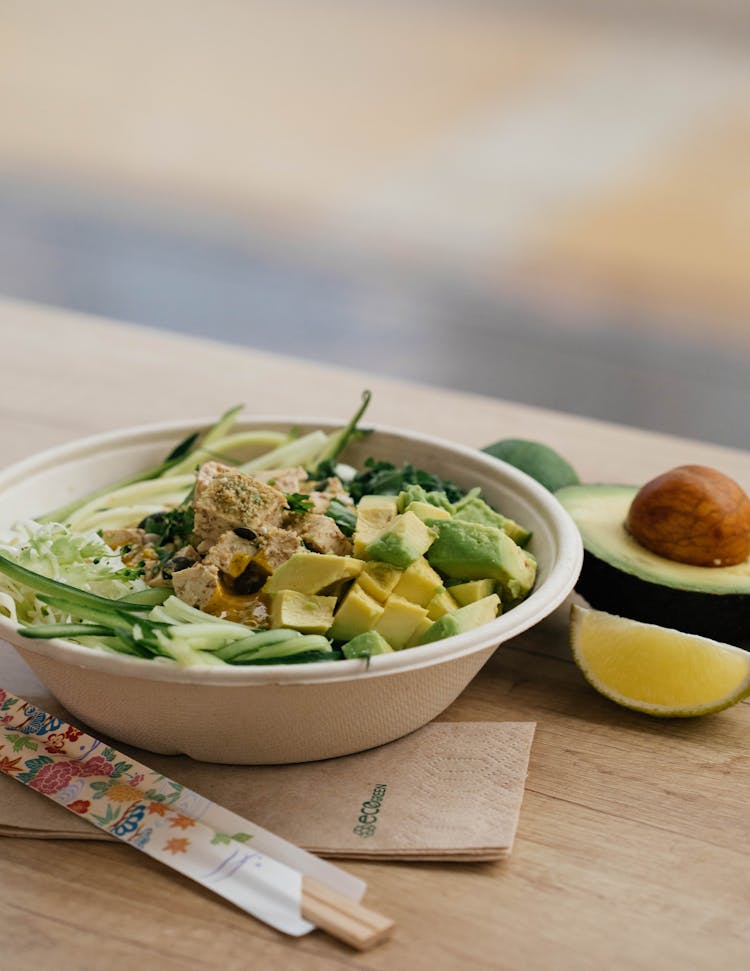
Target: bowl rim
{"x":539,"y":604}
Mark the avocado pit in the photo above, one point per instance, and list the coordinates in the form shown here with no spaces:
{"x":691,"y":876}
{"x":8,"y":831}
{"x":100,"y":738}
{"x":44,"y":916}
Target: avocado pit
{"x":692,"y":514}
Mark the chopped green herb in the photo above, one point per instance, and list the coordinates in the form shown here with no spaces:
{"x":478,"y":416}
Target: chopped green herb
{"x":325,"y":471}
{"x":297,"y":502}
{"x":170,"y":526}
{"x":344,"y":516}
{"x":385,"y":479}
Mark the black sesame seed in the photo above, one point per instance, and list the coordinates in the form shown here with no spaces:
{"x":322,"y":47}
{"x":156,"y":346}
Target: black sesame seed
{"x":244,"y":533}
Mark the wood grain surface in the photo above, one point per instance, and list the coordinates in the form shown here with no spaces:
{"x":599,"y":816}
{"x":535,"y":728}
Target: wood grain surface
{"x":632,"y":850}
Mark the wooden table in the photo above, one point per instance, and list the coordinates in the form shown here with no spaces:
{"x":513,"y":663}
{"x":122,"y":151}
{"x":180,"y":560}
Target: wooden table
{"x":632,"y":850}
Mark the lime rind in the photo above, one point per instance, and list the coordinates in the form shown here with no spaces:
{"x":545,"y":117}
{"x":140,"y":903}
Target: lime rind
{"x":699,"y":655}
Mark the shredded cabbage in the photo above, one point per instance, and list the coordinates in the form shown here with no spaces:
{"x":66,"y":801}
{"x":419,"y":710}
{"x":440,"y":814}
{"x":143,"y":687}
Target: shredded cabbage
{"x":81,"y":560}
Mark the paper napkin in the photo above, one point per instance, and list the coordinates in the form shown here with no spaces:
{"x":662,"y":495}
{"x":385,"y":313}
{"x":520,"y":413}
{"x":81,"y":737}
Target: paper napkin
{"x":450,"y":791}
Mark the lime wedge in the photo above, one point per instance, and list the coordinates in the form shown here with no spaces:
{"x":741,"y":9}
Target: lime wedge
{"x":657,"y":670}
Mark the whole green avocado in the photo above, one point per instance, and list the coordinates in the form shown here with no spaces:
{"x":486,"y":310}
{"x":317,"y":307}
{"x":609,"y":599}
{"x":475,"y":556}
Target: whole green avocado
{"x":537,"y":460}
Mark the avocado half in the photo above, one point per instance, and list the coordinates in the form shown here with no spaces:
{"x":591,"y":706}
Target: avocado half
{"x":622,"y":577}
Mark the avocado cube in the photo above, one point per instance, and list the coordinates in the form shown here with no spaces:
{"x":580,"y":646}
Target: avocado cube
{"x":399,"y":620}
{"x":463,"y":619}
{"x":402,"y":541}
{"x":308,"y":572}
{"x":441,"y":603}
{"x":420,"y":630}
{"x":425,"y":511}
{"x":377,"y":510}
{"x":358,"y":613}
{"x":373,"y":515}
{"x":367,"y":644}
{"x":416,"y":493}
{"x":472,"y":509}
{"x":473,"y":551}
{"x":469,"y":593}
{"x":303,"y":612}
{"x":419,"y":583}
{"x":378,"y":579}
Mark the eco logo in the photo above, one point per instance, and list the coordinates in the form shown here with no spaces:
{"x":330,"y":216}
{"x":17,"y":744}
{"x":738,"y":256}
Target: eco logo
{"x":368,"y":814}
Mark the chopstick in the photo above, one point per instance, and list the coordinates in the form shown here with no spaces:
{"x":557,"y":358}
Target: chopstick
{"x":267,"y":877}
{"x":342,"y":918}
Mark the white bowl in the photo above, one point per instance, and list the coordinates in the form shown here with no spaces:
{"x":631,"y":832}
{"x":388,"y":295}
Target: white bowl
{"x":292,"y":713}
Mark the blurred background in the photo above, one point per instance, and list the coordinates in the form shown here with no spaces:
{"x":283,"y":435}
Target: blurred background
{"x":542,"y":201}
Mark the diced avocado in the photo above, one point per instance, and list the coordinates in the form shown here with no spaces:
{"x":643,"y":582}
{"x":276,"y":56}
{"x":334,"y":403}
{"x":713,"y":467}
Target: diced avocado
{"x":358,"y":613}
{"x":414,"y":493}
{"x":463,"y":619}
{"x":441,"y":603}
{"x":420,"y":630}
{"x":425,"y":511}
{"x":419,"y":583}
{"x":367,"y":644}
{"x":472,"y":551}
{"x":469,"y":593}
{"x":302,"y":611}
{"x":379,"y":579}
{"x":377,"y":510}
{"x":402,"y":542}
{"x":475,"y":510}
{"x":399,"y":620}
{"x":373,"y":515}
{"x":337,"y":589}
{"x":308,"y":572}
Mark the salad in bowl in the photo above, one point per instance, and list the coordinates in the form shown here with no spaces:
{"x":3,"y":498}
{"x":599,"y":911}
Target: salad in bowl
{"x":290,"y":556}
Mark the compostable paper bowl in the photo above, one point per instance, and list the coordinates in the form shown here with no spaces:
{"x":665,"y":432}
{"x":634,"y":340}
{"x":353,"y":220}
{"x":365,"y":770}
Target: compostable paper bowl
{"x":288,"y":713}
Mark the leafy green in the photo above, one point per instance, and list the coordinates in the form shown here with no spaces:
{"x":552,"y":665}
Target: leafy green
{"x":176,"y":524}
{"x":298,"y":502}
{"x":344,"y":516}
{"x":324,"y":471}
{"x":385,"y":479}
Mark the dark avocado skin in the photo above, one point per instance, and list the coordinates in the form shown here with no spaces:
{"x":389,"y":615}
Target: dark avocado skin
{"x":723,"y":617}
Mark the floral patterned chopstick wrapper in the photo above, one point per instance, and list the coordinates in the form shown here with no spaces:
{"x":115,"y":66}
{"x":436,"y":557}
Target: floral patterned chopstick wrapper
{"x":254,"y":869}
